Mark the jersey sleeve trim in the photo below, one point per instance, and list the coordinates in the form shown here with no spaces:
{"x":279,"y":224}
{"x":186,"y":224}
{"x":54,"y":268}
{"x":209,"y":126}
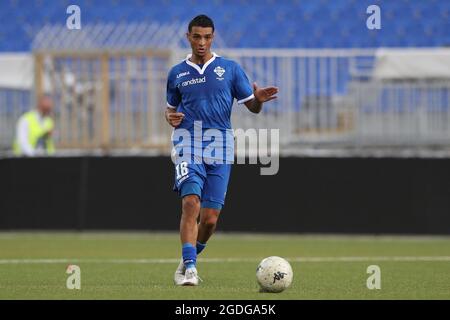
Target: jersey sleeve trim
{"x":252,"y":96}
{"x":170,"y":106}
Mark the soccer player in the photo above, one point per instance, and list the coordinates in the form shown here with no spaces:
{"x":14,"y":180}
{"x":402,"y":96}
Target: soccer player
{"x":200,"y":94}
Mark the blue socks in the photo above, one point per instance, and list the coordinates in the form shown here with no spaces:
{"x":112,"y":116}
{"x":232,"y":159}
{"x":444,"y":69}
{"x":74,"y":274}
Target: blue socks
{"x":200,"y":247}
{"x":189,"y":255}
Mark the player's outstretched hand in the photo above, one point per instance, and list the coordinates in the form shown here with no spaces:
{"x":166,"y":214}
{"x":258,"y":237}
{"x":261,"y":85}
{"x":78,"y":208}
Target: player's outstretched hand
{"x":174,"y":118}
{"x":264,"y":94}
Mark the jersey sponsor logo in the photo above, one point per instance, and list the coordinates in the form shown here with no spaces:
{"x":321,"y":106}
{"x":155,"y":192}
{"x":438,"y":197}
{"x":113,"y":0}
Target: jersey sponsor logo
{"x":183,"y":74}
{"x":219,"y":71}
{"x":193,"y":81}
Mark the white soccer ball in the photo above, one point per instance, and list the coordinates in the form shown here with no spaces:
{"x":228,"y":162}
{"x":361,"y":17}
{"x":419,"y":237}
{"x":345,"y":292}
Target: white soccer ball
{"x":274,"y":274}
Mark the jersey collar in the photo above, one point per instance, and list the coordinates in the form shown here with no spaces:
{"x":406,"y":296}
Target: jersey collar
{"x":196,"y":67}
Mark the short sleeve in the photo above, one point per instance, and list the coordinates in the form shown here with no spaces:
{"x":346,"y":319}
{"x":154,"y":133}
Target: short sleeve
{"x":173,"y":94}
{"x":242,"y":90}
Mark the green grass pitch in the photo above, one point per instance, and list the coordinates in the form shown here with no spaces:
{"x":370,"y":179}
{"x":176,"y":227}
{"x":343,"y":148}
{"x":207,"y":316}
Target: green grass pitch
{"x":141,"y":266}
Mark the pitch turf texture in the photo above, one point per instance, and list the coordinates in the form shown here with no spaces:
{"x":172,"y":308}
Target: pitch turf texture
{"x":141,"y":266}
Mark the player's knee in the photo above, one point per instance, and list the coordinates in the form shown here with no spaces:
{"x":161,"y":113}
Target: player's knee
{"x":210,"y":223}
{"x":210,"y":220}
{"x":191,"y":204}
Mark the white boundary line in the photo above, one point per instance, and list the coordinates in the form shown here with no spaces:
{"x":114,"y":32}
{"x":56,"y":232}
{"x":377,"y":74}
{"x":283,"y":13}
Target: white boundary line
{"x":220,"y":260}
{"x":95,"y":235}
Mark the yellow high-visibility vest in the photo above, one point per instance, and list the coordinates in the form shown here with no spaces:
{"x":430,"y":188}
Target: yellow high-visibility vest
{"x":37,"y":131}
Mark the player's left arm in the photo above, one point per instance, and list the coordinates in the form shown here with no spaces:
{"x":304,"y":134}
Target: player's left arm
{"x":261,"y":95}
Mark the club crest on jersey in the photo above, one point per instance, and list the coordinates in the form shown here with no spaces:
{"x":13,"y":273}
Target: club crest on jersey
{"x":219,"y":71}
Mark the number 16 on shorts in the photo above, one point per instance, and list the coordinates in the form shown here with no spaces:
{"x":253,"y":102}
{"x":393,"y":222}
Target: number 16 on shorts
{"x":182,"y":171}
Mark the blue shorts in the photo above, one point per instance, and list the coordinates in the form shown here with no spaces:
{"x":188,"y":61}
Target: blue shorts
{"x":208,"y":181}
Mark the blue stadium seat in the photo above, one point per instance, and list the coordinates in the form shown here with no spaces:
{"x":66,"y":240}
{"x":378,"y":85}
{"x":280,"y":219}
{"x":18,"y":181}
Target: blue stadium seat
{"x":265,"y":23}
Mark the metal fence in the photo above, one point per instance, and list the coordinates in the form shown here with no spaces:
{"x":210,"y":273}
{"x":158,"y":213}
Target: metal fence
{"x":115,"y":99}
{"x":13,"y":102}
{"x":401,"y":113}
{"x":328,"y":97}
{"x":107,"y":100}
{"x":312,"y":83}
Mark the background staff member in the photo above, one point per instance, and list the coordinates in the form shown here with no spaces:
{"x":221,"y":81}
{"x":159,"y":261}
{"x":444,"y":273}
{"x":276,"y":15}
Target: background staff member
{"x":34,"y":130}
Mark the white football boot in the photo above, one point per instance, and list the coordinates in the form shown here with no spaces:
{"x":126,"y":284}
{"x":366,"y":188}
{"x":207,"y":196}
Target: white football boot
{"x":191,"y":277}
{"x":178,"y":277}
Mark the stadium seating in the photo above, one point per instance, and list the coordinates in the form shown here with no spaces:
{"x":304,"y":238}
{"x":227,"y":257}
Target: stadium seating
{"x":250,"y":23}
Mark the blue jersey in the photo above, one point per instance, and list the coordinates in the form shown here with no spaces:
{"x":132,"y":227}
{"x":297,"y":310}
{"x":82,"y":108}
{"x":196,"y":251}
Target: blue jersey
{"x":207,"y":93}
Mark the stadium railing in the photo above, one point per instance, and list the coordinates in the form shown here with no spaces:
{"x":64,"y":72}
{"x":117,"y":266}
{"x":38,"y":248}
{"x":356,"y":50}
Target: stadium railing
{"x":114,"y":100}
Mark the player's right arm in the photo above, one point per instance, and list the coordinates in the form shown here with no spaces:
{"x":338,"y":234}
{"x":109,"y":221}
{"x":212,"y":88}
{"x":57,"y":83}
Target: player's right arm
{"x":173,"y":117}
{"x":261,"y":95}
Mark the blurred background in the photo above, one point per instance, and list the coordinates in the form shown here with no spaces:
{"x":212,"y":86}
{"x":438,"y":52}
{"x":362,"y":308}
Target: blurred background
{"x":363,"y":114}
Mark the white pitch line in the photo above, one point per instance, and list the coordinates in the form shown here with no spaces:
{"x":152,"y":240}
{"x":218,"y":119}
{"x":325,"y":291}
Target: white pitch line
{"x":220,"y":260}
